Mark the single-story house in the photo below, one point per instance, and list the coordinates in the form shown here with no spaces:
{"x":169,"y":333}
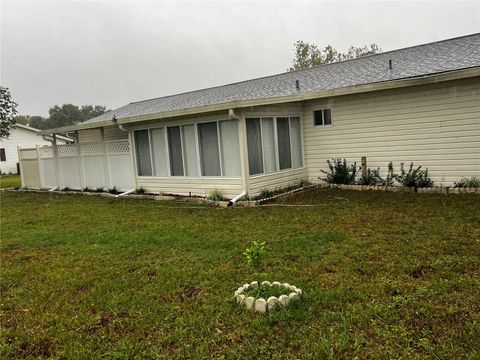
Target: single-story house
{"x":23,"y":136}
{"x":419,"y":104}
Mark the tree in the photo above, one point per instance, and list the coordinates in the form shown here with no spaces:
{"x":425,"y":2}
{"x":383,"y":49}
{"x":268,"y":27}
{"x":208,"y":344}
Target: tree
{"x":33,"y":121}
{"x":7,"y":112}
{"x":308,"y":55}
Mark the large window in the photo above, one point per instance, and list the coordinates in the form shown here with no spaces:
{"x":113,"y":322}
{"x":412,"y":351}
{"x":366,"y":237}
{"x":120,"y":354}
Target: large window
{"x":203,"y":149}
{"x":273,"y":144}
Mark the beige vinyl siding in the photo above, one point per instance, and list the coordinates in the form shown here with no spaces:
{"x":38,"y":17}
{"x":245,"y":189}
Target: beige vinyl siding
{"x":90,"y":135}
{"x":276,"y":180}
{"x":287,"y":109}
{"x":436,"y":126}
{"x":196,"y":186}
{"x":114,"y":133}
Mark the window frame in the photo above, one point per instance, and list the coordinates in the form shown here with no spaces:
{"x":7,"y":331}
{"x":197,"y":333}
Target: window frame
{"x":323,"y":118}
{"x":275,"y":141}
{"x":165,"y":126}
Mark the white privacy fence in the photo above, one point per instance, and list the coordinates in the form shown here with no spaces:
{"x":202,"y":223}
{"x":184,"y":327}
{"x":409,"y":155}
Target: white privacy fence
{"x":94,"y":165}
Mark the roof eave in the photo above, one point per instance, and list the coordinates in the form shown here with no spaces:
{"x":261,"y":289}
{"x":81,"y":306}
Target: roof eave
{"x":384,"y":85}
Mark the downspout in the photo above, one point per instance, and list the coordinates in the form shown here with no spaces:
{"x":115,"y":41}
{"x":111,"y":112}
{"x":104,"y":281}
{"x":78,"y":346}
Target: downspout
{"x":232,"y":115}
{"x":120,"y":126}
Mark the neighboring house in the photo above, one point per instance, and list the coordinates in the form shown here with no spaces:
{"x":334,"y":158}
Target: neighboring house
{"x":419,"y":104}
{"x":24,"y":136}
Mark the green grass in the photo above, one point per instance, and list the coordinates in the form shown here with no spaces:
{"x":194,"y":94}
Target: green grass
{"x":384,"y":275}
{"x":10,"y":181}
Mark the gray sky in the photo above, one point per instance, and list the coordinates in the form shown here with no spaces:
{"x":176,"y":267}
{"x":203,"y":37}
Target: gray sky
{"x":115,"y":52}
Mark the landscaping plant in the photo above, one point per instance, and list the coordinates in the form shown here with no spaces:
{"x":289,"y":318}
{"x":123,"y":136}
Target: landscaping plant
{"x":372,"y":178}
{"x":215,"y":195}
{"x":340,"y":172}
{"x":473,"y":182}
{"x":414,"y":177}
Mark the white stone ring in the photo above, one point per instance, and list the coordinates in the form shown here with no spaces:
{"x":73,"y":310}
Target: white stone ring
{"x":261,"y":305}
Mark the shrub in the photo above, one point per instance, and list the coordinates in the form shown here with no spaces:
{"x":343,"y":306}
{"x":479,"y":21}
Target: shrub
{"x":340,"y":172}
{"x":372,"y":178}
{"x":66,"y":188}
{"x":215,"y":195}
{"x":99,"y":190}
{"x":304,"y":183}
{"x":414,"y":177}
{"x":140,"y":191}
{"x":390,"y":175}
{"x":473,"y":182}
{"x":254,"y":254}
{"x":266,"y":193}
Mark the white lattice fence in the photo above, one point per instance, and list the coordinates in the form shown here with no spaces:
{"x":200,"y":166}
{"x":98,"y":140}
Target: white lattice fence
{"x":94,"y":165}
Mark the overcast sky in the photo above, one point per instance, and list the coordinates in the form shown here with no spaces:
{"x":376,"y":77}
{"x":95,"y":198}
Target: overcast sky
{"x":112,"y":53}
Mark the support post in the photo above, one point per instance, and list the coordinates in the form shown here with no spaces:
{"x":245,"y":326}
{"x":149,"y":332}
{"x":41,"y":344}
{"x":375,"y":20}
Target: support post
{"x":364,"y":166}
{"x":55,"y":160}
{"x":20,"y":165}
{"x":40,"y":171}
{"x":79,"y":160}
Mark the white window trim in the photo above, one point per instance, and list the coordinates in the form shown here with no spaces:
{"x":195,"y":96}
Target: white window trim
{"x":197,"y":146}
{"x":275,"y":140}
{"x":331,"y":118}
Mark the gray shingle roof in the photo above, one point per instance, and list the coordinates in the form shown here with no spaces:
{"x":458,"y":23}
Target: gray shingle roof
{"x":437,"y":57}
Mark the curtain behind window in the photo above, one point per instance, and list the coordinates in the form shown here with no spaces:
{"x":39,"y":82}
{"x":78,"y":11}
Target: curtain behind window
{"x":296,"y":137}
{"x":159,"y":152}
{"x":230,"y":147}
{"x":268,"y":139}
{"x":189,"y":150}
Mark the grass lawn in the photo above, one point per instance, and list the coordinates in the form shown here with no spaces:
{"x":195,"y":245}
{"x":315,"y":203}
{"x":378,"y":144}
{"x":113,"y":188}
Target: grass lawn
{"x":10,"y":181}
{"x":385,"y":275}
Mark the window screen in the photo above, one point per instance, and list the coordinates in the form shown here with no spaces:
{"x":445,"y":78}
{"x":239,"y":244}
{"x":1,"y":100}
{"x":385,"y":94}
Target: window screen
{"x":142,"y":148}
{"x":2,"y":155}
{"x":175,"y":150}
{"x":318,"y":117}
{"x":209,"y":156}
{"x":283,"y":134}
{"x":254,"y":145}
{"x":159,"y":152}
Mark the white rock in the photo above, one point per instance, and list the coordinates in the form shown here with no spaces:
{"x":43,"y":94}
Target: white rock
{"x":249,"y":301}
{"x":293,"y":296}
{"x":266,"y":283}
{"x":254,"y":283}
{"x":299,"y":291}
{"x":272,"y":302}
{"x":240,"y":290}
{"x":276,"y":283}
{"x":240,"y":298}
{"x":261,"y":305}
{"x":284,"y":300}
{"x":246,"y":286}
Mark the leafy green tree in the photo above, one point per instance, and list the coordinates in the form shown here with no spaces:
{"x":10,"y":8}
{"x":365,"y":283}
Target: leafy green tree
{"x":33,"y":121}
{"x":8,"y":110}
{"x":308,"y":55}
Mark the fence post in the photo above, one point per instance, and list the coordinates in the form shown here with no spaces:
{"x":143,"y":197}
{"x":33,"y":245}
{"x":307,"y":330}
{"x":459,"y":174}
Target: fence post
{"x":40,"y":171}
{"x":364,"y":166}
{"x":55,"y":160}
{"x":79,"y":159}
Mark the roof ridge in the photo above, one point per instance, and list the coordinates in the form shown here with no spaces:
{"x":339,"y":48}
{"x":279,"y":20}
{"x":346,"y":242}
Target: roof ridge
{"x":304,"y":70}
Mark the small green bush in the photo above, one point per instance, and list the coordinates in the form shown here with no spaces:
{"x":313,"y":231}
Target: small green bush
{"x":66,"y":188}
{"x":254,"y":254}
{"x":304,"y":183}
{"x":215,"y":195}
{"x":113,"y":191}
{"x":99,"y":190}
{"x":372,"y":178}
{"x":473,"y":182}
{"x":414,"y":177}
{"x":140,"y":191}
{"x":266,"y":193}
{"x":340,"y":172}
